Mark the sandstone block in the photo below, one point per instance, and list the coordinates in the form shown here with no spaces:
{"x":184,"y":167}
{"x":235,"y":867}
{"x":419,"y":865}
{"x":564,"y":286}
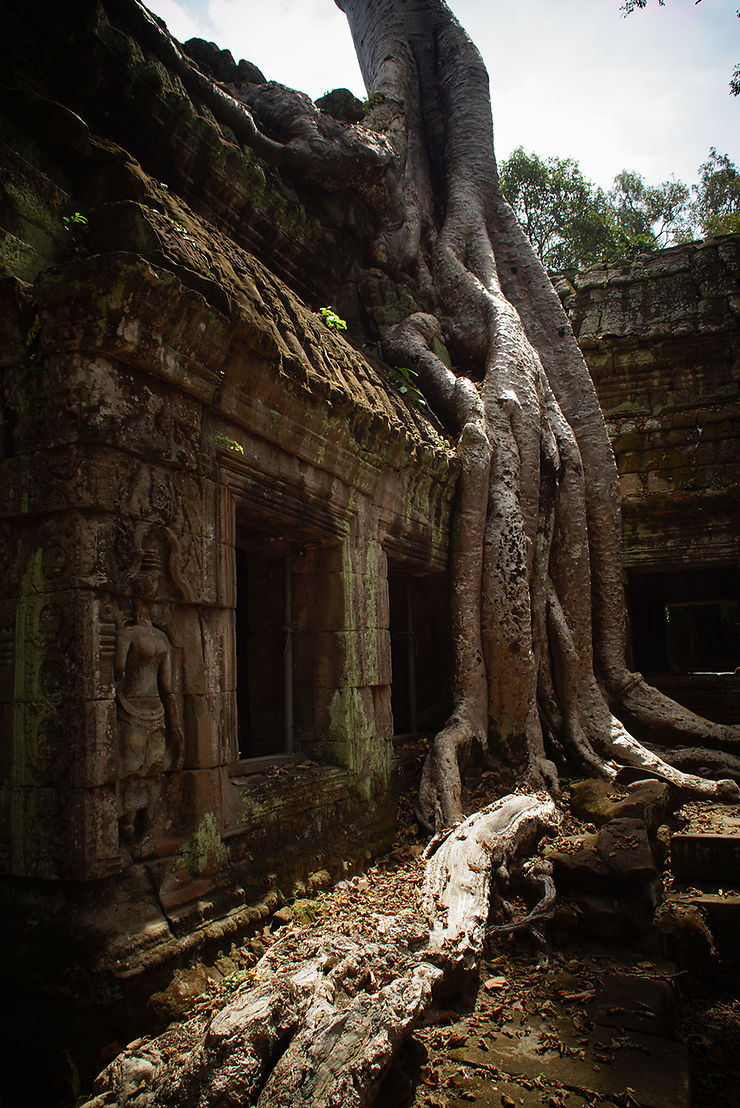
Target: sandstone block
{"x":601,"y":801}
{"x":622,"y":916}
{"x":624,"y":847}
{"x":619,"y":853}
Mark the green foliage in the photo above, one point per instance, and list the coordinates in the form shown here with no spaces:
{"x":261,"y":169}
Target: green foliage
{"x":332,"y":320}
{"x":235,"y":980}
{"x":306,"y":909}
{"x":76,"y":224}
{"x":650,"y":216}
{"x":373,"y":101}
{"x":406,"y":384}
{"x":735,"y":79}
{"x":229,"y":443}
{"x":204,"y":851}
{"x":629,"y":6}
{"x":571,"y":223}
{"x":566,"y":218}
{"x":716,"y":206}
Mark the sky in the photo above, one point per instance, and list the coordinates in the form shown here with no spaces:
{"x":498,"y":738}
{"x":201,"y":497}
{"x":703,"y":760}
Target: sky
{"x":571,"y":78}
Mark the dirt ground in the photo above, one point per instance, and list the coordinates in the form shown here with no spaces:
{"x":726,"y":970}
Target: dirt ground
{"x":570,"y":1023}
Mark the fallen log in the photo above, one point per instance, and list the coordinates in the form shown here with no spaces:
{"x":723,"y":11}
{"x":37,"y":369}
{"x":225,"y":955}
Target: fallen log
{"x":321,"y":1015}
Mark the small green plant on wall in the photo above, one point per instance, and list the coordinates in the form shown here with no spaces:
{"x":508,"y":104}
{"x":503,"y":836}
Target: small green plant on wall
{"x":373,"y":101}
{"x":204,"y":852}
{"x":229,"y":443}
{"x":332,"y":320}
{"x":71,"y":221}
{"x":406,"y":384}
{"x":76,"y":224}
{"x":306,"y":909}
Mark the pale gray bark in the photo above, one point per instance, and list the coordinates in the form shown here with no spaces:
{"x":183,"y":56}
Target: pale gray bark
{"x":323,"y":1015}
{"x":537,"y":597}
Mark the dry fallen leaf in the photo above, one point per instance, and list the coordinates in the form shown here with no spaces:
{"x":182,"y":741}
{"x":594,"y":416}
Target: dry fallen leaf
{"x":587,"y":994}
{"x":430,"y":1076}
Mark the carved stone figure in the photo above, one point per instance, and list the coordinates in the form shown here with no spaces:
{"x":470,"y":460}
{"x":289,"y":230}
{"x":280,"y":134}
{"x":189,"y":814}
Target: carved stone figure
{"x":149,"y":728}
{"x":151,"y":740}
{"x":150,"y":732}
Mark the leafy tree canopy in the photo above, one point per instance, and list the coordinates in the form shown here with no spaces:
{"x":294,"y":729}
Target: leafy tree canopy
{"x":565,"y":217}
{"x":716,"y":206}
{"x":571,"y":222}
{"x":650,"y":216}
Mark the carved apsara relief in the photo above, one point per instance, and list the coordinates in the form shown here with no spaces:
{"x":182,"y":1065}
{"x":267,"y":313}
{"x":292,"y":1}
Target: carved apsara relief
{"x":148,"y":704}
{"x":149,"y":725}
{"x":149,"y":716}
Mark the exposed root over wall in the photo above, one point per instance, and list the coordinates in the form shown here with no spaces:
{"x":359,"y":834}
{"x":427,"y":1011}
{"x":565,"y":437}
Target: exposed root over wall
{"x":323,"y":1014}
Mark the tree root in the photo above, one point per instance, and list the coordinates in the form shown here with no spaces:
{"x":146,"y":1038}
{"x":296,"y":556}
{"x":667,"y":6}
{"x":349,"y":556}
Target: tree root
{"x":440,"y":790}
{"x":623,"y":747}
{"x":656,"y":718}
{"x":322,"y":1016}
{"x":699,"y":760}
{"x":536,"y":873}
{"x":316,"y":147}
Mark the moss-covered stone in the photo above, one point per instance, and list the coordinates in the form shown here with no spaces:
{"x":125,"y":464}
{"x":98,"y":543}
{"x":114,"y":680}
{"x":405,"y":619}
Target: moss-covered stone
{"x":204,"y":852}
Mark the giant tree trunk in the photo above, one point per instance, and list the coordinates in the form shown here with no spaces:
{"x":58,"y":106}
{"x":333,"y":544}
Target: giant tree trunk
{"x":538,"y":600}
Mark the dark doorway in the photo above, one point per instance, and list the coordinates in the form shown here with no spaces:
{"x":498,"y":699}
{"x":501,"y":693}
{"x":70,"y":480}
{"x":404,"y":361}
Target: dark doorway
{"x":421,"y":652}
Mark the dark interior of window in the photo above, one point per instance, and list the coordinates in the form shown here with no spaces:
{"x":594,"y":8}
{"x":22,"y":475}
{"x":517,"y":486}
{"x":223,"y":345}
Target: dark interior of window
{"x":421,"y":652}
{"x":685,"y":621}
{"x":263,"y":649}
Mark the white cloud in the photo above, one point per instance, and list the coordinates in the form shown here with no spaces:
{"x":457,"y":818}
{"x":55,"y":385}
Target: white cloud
{"x":178,"y":19}
{"x":305,"y":44}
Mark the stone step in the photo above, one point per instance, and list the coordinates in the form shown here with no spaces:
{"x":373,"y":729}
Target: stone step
{"x":588,"y":1046}
{"x":721,"y":912}
{"x":604,"y":1063}
{"x":707,"y":850}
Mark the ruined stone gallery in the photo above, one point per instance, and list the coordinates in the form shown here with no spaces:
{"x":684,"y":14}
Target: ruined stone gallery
{"x":244,"y":548}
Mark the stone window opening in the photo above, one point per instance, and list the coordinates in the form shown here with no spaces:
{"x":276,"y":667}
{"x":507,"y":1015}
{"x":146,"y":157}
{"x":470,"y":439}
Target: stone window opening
{"x":685,"y":621}
{"x":288,"y":637}
{"x":421,"y":651}
{"x":264,"y":648}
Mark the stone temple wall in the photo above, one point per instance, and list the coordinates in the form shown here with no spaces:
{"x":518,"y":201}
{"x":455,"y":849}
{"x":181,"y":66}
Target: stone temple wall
{"x":206,"y":491}
{"x":224,"y":528}
{"x":662,"y":341}
{"x":155,"y":442}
